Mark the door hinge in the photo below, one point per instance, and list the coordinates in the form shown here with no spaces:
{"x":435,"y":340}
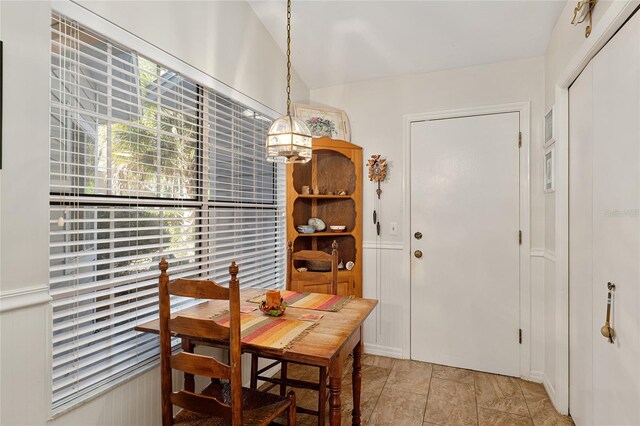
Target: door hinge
{"x":519,"y":139}
{"x":520,"y":237}
{"x":520,"y":336}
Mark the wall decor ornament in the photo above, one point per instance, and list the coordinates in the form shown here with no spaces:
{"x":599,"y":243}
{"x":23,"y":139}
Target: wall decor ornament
{"x":582,"y":11}
{"x":549,"y":170}
{"x":377,"y":171}
{"x":549,"y":128}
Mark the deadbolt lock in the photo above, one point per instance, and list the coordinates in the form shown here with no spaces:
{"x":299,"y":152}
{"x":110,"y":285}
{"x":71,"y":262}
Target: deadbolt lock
{"x":418,"y":235}
{"x":417,"y":254}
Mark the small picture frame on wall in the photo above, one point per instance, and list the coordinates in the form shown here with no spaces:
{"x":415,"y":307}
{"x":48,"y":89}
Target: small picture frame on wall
{"x":549,"y":128}
{"x":324,"y":121}
{"x":549,"y":169}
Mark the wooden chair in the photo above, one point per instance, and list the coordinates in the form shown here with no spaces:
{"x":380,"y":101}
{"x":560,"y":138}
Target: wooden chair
{"x":220,"y":403}
{"x":283,"y":381}
{"x":314,"y":255}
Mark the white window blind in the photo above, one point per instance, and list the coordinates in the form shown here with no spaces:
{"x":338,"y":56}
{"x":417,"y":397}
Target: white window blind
{"x":144,"y":163}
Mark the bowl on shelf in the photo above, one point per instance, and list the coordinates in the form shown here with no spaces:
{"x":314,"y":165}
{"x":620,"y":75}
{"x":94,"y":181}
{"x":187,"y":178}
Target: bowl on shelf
{"x":318,"y":266}
{"x":337,"y":228}
{"x":306,"y":229}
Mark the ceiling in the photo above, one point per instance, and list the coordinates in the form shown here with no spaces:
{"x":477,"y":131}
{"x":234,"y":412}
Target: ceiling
{"x":337,"y":42}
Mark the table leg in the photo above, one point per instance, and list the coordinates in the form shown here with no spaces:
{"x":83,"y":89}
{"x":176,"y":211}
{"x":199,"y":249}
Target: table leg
{"x":322,"y":396}
{"x":356,"y":380}
{"x":189,"y":379}
{"x":254,"y":372}
{"x":334,"y":400}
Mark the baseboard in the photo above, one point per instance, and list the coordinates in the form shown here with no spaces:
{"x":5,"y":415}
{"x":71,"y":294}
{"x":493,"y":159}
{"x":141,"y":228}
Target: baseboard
{"x":551,"y":391}
{"x":379,"y":350}
{"x":536,"y":376}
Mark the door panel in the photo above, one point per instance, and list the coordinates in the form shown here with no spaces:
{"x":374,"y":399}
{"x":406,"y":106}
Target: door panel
{"x":605,"y":236}
{"x":581,"y":331}
{"x":465,"y":202}
{"x":616,"y":200}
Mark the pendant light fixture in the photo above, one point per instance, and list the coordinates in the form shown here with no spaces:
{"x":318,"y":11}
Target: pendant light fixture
{"x":289,"y":138}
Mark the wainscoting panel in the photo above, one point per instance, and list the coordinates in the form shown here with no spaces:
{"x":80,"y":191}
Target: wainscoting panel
{"x":385,"y":278}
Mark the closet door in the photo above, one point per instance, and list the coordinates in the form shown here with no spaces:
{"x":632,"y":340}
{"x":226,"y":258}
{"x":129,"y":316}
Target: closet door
{"x":581,"y":331}
{"x":605,"y":233}
{"x":616,"y":229}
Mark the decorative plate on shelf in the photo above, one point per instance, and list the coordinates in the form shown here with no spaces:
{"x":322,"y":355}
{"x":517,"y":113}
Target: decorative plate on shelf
{"x":317,"y":223}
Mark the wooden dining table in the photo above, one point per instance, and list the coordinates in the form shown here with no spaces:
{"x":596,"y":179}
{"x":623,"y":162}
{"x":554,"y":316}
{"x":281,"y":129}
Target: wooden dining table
{"x":328,"y":344}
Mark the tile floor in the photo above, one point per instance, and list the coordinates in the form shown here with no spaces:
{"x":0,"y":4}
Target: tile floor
{"x":403,"y":392}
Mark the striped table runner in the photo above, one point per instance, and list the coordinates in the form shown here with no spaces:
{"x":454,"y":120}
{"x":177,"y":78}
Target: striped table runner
{"x":270,"y":332}
{"x":315,"y":301}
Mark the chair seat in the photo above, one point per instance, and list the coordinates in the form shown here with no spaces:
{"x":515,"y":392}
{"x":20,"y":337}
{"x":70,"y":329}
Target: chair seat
{"x":258,"y":408}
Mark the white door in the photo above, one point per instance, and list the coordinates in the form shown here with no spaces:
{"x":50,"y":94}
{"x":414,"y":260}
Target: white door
{"x":465,"y":203}
{"x":605,"y":233}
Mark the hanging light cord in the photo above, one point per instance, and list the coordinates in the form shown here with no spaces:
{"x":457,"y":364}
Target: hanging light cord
{"x":289,"y":57}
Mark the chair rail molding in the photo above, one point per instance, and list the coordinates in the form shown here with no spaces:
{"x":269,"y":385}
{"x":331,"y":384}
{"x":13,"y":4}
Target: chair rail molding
{"x":24,"y":298}
{"x":372,"y":245}
{"x":543,"y":253}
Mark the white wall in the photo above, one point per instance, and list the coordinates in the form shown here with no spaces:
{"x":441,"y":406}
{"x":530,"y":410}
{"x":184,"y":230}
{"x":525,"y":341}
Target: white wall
{"x":376,"y":109}
{"x":565,"y":42}
{"x":223,"y":39}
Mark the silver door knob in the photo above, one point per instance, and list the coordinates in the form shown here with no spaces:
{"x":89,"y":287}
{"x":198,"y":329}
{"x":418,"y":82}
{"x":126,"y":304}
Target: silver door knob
{"x":417,"y":254}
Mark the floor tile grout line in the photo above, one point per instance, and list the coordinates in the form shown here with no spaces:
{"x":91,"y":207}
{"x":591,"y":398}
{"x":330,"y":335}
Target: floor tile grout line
{"x":454,"y":381}
{"x":426,"y":404}
{"x":475,"y":398}
{"x":503,"y":396}
{"x":505,"y":412}
{"x":375,"y":406}
{"x":526,"y":402}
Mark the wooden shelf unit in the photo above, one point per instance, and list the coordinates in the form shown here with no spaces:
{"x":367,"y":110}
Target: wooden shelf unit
{"x":336,"y":166}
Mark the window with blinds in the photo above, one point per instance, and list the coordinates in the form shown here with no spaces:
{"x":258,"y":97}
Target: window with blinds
{"x":144,"y":163}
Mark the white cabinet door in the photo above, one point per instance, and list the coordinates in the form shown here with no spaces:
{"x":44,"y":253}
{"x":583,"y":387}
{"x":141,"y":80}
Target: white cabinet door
{"x":465,"y":203}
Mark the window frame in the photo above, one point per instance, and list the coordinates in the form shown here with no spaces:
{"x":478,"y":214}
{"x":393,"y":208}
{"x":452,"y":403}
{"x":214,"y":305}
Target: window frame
{"x":201,"y":201}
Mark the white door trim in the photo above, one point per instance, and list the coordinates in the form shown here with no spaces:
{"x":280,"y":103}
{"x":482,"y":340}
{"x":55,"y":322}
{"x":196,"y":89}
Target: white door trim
{"x":525,"y":286}
{"x":611,"y":21}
